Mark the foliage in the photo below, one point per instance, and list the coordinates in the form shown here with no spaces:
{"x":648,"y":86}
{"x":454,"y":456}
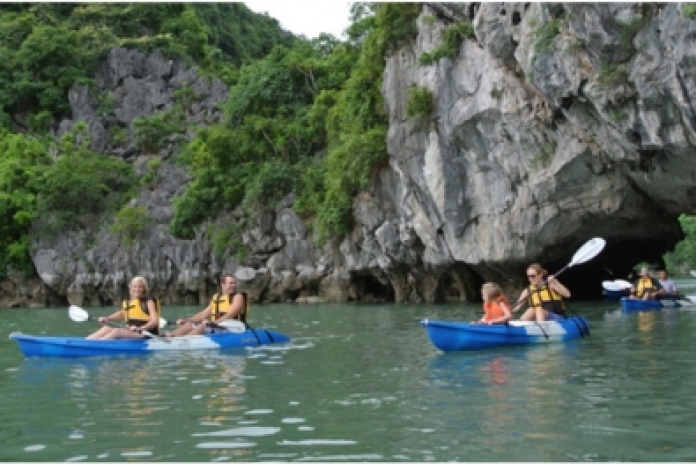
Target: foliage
{"x":130,"y":222}
{"x":150,"y":131}
{"x":81,"y":185}
{"x":23,"y":159}
{"x":613,"y":74}
{"x":420,"y":102}
{"x":683,"y":257}
{"x":542,"y":157}
{"x":545,"y":35}
{"x":275,"y":119}
{"x":227,"y":239}
{"x":689,"y":10}
{"x":452,"y":40}
{"x":357,"y":124}
{"x":45,"y":48}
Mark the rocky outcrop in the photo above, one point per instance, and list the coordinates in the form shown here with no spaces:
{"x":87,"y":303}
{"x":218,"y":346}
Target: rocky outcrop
{"x":551,"y":125}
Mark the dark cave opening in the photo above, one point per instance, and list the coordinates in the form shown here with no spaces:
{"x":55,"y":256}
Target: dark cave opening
{"x":370,"y":289}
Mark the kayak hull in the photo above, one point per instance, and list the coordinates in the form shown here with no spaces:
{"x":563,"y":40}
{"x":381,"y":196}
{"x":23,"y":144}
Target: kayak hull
{"x":634,"y":304}
{"x":462,"y":336}
{"x":614,"y":294}
{"x":70,"y":347}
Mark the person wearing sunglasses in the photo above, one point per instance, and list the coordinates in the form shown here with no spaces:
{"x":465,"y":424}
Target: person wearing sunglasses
{"x":544,"y":295}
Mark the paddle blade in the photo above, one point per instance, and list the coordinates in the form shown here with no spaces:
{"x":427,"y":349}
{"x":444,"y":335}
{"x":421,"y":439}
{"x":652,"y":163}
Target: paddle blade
{"x":233,"y":326}
{"x":588,"y":251}
{"x":163,"y":323}
{"x":623,"y":283}
{"x":691,"y":298}
{"x":78,"y":314}
{"x":613,"y":286}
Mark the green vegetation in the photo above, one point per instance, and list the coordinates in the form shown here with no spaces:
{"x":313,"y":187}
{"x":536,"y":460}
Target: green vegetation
{"x":683,"y":257}
{"x":307,"y":119}
{"x":542,"y":157}
{"x":420,"y":102}
{"x":303,"y":116}
{"x":547,"y":32}
{"x":130,"y":222}
{"x":689,"y":10}
{"x":617,"y":115}
{"x":45,"y":48}
{"x":62,"y":181}
{"x":613,"y":75}
{"x":81,"y":185}
{"x":452,"y":39}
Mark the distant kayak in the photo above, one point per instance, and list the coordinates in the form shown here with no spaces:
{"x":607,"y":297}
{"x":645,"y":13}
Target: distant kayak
{"x":38,"y":346}
{"x":462,"y":336}
{"x":634,"y":304}
{"x":614,"y":294}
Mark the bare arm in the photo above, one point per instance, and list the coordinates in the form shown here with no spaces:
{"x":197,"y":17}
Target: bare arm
{"x":559,"y":287}
{"x":198,"y":317}
{"x":111,"y":317}
{"x":520,"y":301}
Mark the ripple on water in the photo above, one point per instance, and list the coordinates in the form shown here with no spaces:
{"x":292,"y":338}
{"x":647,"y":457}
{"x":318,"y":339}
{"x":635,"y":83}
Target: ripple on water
{"x":241,"y":432}
{"x":136,"y":454}
{"x":225,"y":445}
{"x":292,"y":420}
{"x":32,"y":448}
{"x":259,"y":411}
{"x":345,"y":457}
{"x":317,"y":441}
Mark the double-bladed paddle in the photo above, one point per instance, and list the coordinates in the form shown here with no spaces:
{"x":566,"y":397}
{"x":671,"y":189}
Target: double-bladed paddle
{"x":589,"y":250}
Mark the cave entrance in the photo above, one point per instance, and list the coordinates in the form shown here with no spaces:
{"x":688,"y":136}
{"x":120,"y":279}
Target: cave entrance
{"x":369,"y":289}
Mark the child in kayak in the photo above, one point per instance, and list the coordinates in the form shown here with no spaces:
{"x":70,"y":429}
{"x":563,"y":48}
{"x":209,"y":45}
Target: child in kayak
{"x":495,"y":306}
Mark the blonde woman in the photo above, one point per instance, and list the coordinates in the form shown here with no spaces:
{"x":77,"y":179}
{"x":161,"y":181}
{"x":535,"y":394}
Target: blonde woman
{"x":496,"y":308}
{"x":544,"y":295}
{"x":140,"y":313}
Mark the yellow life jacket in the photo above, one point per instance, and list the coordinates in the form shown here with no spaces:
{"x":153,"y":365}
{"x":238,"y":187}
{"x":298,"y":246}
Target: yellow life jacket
{"x":643,"y":285}
{"x":222,"y":304}
{"x":547,"y":298}
{"x":136,"y":312}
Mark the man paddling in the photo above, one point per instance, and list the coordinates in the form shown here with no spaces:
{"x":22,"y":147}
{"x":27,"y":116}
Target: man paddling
{"x":226,"y":305}
{"x":646,"y":288}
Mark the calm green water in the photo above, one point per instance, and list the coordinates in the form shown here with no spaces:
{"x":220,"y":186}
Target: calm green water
{"x":359,"y":383}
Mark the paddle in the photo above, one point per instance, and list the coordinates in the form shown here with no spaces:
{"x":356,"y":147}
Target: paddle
{"x":589,"y":250}
{"x":78,"y":314}
{"x":615,"y":286}
{"x":233,"y":325}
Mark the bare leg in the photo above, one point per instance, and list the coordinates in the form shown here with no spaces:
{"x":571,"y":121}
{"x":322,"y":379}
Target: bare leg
{"x":122,"y":333}
{"x":198,"y":330}
{"x":100,"y":334}
{"x":528,"y":315}
{"x":182,"y":330}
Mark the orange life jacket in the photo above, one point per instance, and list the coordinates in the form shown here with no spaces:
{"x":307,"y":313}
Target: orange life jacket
{"x":493,"y":310}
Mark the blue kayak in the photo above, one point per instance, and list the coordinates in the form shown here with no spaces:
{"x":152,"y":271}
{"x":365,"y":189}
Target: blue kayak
{"x":634,"y":304}
{"x":70,"y":347}
{"x":462,"y":336}
{"x":614,"y":294}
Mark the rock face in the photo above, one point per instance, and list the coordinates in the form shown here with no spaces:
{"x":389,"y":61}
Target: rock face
{"x":553,"y":124}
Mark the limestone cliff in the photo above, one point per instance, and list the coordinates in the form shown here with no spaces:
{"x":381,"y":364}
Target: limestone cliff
{"x":552,"y":124}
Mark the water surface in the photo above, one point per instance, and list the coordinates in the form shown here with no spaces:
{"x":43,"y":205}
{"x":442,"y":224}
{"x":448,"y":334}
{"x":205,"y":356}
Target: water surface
{"x":359,"y":383}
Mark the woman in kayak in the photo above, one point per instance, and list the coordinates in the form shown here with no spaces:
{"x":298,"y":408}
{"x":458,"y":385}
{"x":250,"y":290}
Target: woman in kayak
{"x":140,"y":313}
{"x":495,"y":306}
{"x":544,"y":295}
